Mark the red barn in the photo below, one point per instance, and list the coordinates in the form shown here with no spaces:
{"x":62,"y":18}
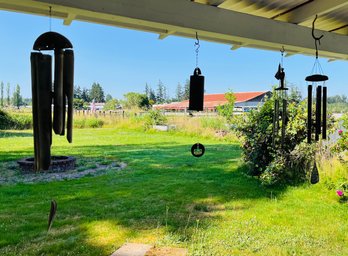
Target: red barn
{"x":244,"y":101}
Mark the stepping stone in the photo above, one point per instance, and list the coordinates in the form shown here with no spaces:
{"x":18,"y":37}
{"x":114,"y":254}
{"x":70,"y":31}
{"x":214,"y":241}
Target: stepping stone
{"x":167,"y":251}
{"x":132,"y":249}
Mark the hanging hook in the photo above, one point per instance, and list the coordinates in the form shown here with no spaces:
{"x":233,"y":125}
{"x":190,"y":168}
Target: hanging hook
{"x":197,"y":45}
{"x":316,"y":39}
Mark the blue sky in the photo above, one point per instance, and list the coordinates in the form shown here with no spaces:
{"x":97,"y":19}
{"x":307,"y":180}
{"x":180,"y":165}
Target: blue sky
{"x":123,"y":60}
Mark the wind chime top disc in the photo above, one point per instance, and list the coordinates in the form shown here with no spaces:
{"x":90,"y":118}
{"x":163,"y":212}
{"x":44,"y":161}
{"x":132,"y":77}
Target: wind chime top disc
{"x":317,"y":78}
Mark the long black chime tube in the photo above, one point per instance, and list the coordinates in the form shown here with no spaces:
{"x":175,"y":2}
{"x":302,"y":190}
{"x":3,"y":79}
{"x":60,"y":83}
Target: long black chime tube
{"x":196,"y":101}
{"x":309,"y":112}
{"x":68,"y":81}
{"x":277,"y":115}
{"x":274,"y":130}
{"x":324,"y":112}
{"x":318,"y":114}
{"x":34,"y":59}
{"x":284,"y":115}
{"x":59,"y":102}
{"x":42,"y":100}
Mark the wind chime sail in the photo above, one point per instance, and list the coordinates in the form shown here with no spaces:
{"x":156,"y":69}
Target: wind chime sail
{"x":196,"y":100}
{"x":42,"y":94}
{"x":280,"y":104}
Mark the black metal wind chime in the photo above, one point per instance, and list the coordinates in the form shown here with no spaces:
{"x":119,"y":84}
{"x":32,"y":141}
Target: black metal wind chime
{"x":280,"y":104}
{"x":42,"y":93}
{"x":319,"y":124}
{"x":196,"y":100}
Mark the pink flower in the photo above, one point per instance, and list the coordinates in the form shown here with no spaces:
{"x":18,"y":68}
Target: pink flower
{"x":340,"y":132}
{"x":339,"y":192}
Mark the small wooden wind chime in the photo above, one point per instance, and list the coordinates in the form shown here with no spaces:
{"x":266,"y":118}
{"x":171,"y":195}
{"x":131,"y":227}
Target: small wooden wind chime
{"x":196,"y":100}
{"x":280,"y":104}
{"x":319,"y":124}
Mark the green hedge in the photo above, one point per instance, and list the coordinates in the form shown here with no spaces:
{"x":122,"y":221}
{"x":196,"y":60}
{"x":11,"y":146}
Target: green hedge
{"x":15,"y":121}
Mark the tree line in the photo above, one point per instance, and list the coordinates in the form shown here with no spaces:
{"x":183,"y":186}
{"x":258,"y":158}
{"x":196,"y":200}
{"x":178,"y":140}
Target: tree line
{"x":16,"y":100}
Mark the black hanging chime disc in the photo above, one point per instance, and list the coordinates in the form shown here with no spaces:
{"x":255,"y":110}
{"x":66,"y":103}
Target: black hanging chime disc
{"x":197,"y":150}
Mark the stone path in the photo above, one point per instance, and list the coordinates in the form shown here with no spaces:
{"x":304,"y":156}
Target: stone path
{"x":133,"y":249}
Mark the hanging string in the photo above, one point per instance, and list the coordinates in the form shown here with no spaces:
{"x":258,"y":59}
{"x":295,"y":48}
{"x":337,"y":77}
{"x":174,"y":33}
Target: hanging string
{"x":316,"y":67}
{"x":50,"y":23}
{"x":197,"y":45}
{"x":282,"y":50}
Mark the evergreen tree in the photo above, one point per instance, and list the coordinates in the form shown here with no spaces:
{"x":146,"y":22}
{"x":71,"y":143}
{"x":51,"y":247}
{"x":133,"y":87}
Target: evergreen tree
{"x":97,"y":93}
{"x":8,"y":94}
{"x":77,"y":92}
{"x":147,"y":90}
{"x":186,"y":93}
{"x":85,"y":95}
{"x":152,"y":96}
{"x":160,"y":97}
{"x":179,"y":93}
{"x":17,"y":98}
{"x":2,"y":94}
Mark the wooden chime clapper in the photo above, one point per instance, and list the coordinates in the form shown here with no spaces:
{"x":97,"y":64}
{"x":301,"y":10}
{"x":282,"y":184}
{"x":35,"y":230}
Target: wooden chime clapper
{"x":280,"y":75}
{"x":42,"y":94}
{"x":320,"y":123}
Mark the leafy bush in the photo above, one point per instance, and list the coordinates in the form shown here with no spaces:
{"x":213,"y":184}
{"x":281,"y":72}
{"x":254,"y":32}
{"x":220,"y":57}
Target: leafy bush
{"x":155,"y":117}
{"x":15,"y":121}
{"x":88,"y":123}
{"x":342,"y":142}
{"x":279,"y":163}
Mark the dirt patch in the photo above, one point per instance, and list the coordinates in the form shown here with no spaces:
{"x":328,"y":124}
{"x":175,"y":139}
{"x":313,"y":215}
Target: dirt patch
{"x":10,"y":172}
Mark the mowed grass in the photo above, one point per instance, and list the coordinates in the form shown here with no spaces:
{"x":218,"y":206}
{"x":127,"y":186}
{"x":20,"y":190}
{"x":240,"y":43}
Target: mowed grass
{"x":164,"y":197}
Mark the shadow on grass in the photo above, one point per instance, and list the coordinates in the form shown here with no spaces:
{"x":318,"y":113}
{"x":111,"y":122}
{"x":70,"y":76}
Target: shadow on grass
{"x":164,"y":186}
{"x":8,"y":134}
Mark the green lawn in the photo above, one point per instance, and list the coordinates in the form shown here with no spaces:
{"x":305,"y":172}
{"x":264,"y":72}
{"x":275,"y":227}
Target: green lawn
{"x":164,"y":197}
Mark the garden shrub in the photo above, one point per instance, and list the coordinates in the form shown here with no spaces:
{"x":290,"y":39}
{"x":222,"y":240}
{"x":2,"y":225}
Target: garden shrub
{"x":155,"y":117}
{"x":287,"y":163}
{"x":15,"y":121}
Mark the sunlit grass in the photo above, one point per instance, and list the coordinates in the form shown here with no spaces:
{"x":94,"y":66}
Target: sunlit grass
{"x":164,"y":197}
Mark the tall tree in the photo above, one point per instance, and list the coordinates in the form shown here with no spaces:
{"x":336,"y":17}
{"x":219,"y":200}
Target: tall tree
{"x":152,"y":96}
{"x":17,"y":97}
{"x":85,"y":95}
{"x":2,"y":94}
{"x":179,"y":93}
{"x":77,"y":92}
{"x":160,"y":96}
{"x":8,"y":94}
{"x":186,"y":93}
{"x":147,"y":90}
{"x":97,"y":93}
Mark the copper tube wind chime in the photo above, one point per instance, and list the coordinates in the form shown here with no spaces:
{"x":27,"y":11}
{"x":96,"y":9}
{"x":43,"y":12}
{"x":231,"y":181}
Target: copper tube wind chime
{"x":319,"y":124}
{"x":280,"y":104}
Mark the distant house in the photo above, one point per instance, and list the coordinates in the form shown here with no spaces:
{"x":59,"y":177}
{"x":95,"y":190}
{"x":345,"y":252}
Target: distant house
{"x":93,"y":106}
{"x":245,"y":101}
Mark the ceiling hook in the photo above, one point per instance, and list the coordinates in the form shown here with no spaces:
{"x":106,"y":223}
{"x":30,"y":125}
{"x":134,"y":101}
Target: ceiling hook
{"x":316,"y":39}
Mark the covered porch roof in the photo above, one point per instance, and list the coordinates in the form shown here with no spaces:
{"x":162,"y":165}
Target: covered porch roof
{"x":263,"y":24}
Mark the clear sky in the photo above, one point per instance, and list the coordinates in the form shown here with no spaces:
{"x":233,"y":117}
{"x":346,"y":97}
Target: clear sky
{"x":123,"y":60}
